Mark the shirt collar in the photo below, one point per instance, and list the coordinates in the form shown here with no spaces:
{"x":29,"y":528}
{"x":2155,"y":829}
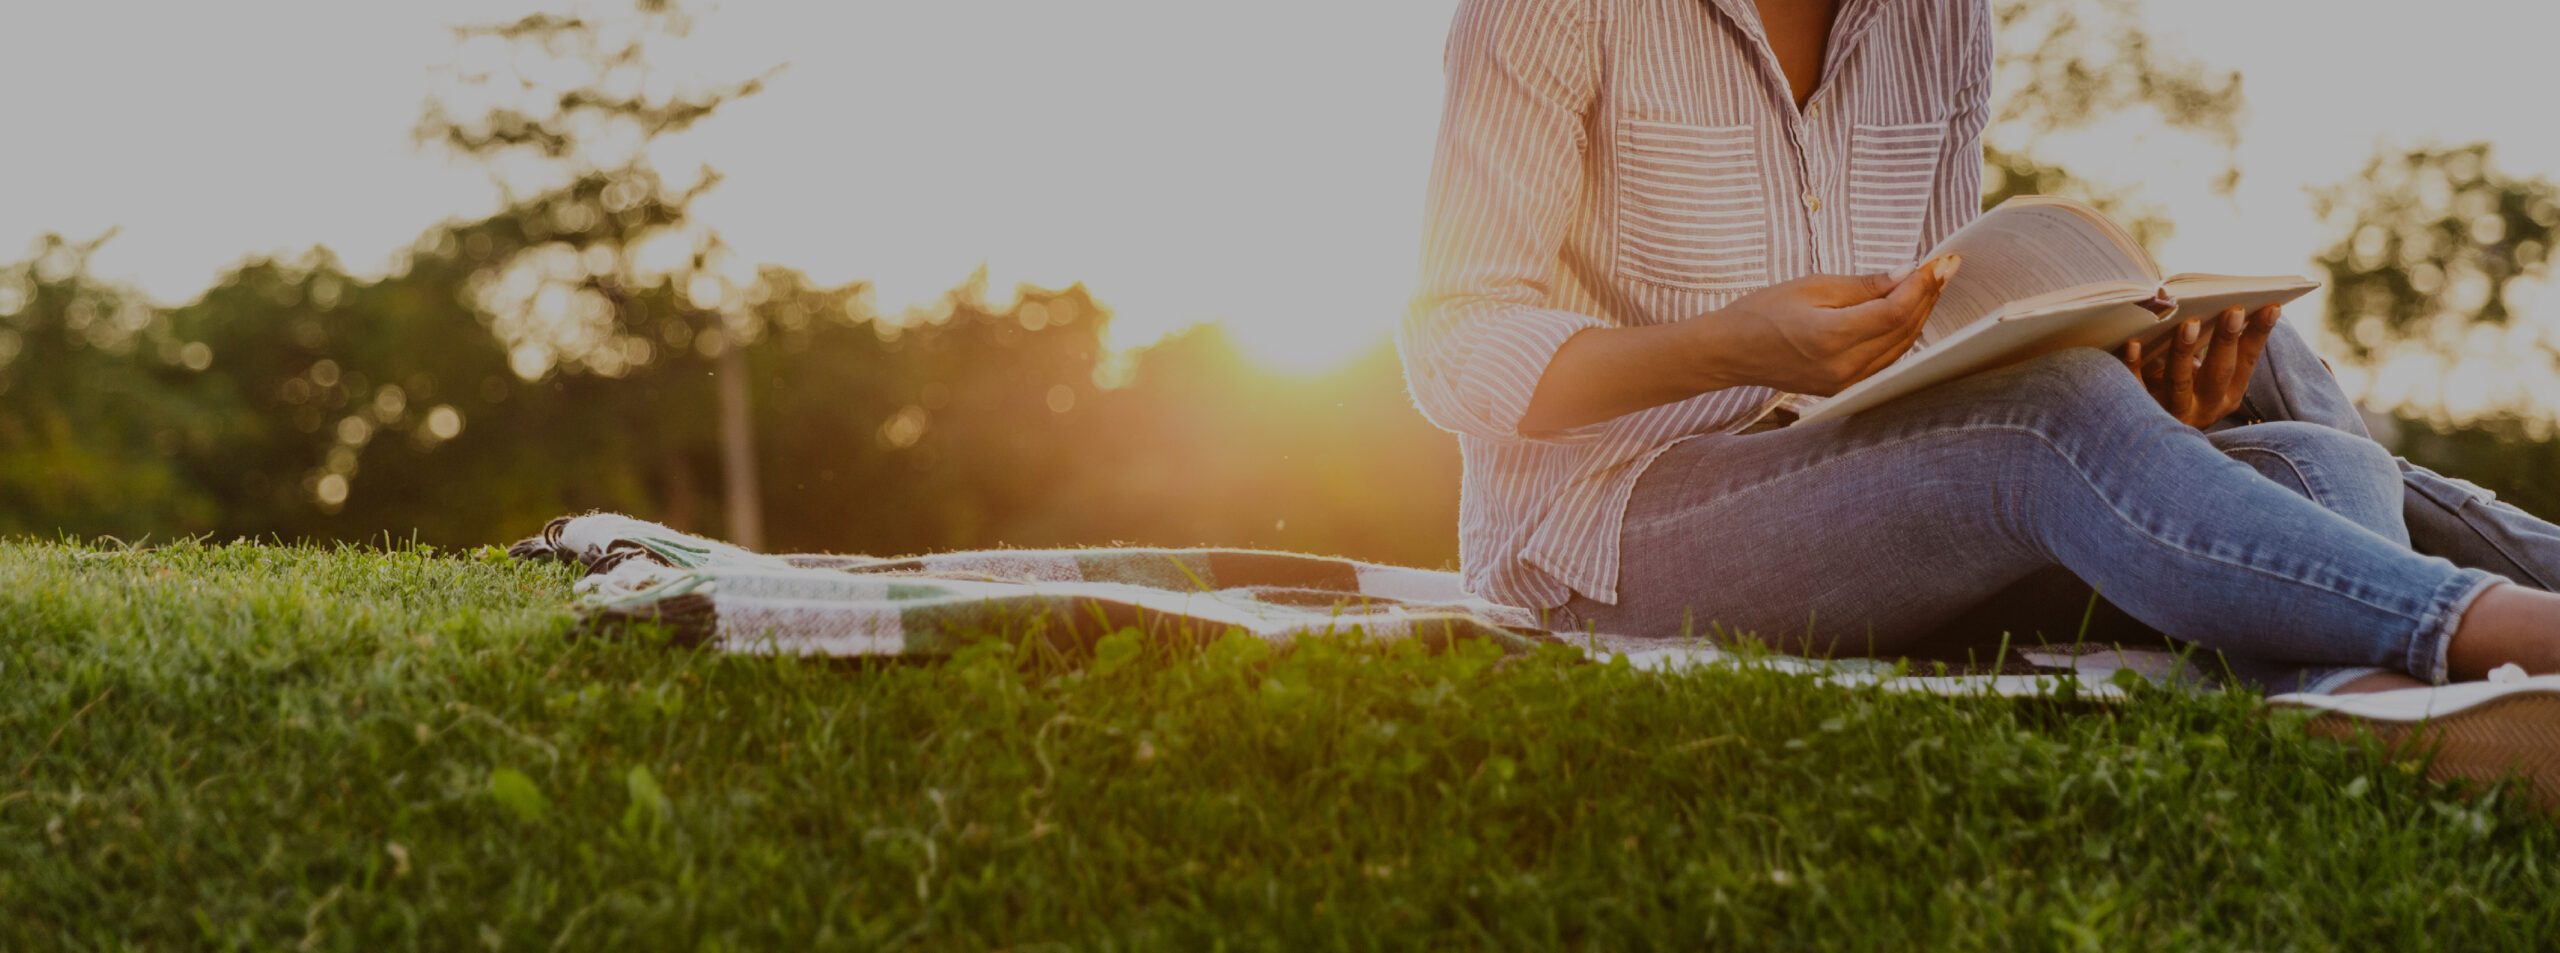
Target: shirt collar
{"x":1848,"y":25}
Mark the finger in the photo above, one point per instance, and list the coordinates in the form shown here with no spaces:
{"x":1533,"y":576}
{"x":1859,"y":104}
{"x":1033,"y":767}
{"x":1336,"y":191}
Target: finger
{"x":2221,"y":361}
{"x":2182,"y":370}
{"x":1879,"y":353}
{"x":1873,"y":363}
{"x":2185,"y":342}
{"x":2157,"y":349}
{"x":1837,"y":291}
{"x":2162,"y":303}
{"x":1906,"y":307}
{"x":1918,"y":320}
{"x":1893,"y":347}
{"x":1880,"y":320}
{"x":2262,"y":323}
{"x":1912,"y":322}
{"x":1890,"y":347}
{"x":2252,"y":343}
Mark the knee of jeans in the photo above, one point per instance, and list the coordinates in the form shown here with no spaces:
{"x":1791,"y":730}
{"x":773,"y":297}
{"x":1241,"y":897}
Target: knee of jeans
{"x":2285,"y":343}
{"x":2335,"y":468}
{"x":2088,"y":387}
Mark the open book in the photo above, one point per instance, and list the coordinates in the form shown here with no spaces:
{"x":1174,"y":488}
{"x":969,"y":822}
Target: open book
{"x":2042,"y":274}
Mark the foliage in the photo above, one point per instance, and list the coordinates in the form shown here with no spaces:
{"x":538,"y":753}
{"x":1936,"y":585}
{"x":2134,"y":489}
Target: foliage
{"x":2007,"y":175}
{"x":268,"y":747}
{"x":369,"y":407}
{"x":561,"y":354}
{"x":2510,"y":456}
{"x":624,"y":278}
{"x":967,"y":425}
{"x":97,"y":396}
{"x":2438,"y":247}
{"x":2434,"y":241}
{"x":2066,"y":67}
{"x":601,"y":112}
{"x":600,"y":268}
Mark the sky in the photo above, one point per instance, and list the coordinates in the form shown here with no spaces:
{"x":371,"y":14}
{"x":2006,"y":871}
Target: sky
{"x":1256,"y":163}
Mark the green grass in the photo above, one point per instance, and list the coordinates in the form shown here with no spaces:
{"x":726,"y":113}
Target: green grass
{"x":263,"y":747}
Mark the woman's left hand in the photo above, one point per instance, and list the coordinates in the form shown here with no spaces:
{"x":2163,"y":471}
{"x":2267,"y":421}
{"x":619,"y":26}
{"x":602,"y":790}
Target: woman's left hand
{"x":2201,"y":392}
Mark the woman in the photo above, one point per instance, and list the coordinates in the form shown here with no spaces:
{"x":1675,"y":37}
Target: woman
{"x":1653,"y":224}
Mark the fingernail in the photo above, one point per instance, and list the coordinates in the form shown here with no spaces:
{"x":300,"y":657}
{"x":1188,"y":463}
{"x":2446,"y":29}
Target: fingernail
{"x":1946,"y":267}
{"x":2187,"y":333}
{"x":2234,"y":320}
{"x":1903,"y":272}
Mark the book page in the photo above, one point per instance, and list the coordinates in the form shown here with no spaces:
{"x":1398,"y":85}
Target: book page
{"x":2204,"y":296}
{"x":2196,"y":293}
{"x":2030,"y":250}
{"x":1985,"y":345}
{"x":2041,"y":275}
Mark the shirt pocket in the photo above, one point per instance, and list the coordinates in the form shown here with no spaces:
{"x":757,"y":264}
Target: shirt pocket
{"x":1691,"y":206}
{"x":1892,"y":171}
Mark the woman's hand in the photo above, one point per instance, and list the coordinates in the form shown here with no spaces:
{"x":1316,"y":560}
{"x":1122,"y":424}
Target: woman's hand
{"x":2199,"y":392}
{"x":1813,"y":335}
{"x":1821,"y":333}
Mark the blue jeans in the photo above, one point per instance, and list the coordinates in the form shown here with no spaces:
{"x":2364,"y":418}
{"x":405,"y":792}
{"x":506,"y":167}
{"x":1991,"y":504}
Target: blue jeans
{"x":2445,"y":517}
{"x":2272,"y":544}
{"x":2439,"y":515}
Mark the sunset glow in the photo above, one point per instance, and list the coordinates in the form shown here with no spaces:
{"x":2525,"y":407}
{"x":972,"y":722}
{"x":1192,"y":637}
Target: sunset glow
{"x":1259,"y":165}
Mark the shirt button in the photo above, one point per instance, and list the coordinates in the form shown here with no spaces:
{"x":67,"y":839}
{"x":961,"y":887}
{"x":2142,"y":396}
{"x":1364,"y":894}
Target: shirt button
{"x":1813,"y":112}
{"x":1812,"y":202}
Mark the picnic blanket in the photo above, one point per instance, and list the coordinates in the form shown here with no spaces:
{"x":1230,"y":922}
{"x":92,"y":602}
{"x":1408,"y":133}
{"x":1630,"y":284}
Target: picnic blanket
{"x":714,"y":595}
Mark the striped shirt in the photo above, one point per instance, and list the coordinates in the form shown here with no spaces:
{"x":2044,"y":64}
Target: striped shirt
{"x":1629,"y":162}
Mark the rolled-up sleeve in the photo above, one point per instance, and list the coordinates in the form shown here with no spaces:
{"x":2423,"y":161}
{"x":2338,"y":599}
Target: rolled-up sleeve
{"x":1505,"y":181}
{"x":1956,"y":197}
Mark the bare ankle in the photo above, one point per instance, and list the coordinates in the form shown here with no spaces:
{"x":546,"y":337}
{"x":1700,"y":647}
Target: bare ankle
{"x":2506,"y":624}
{"x":2377,"y":682}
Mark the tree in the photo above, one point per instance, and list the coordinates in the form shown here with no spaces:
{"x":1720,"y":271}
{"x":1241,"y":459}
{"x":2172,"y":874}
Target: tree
{"x":609,"y":274}
{"x":2437,"y":246}
{"x":97,"y":398}
{"x":2063,"y":68}
{"x":384,"y":405}
{"x":589,"y":345}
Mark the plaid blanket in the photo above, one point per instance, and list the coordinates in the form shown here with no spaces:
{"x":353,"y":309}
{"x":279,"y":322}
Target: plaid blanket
{"x":711,"y":594}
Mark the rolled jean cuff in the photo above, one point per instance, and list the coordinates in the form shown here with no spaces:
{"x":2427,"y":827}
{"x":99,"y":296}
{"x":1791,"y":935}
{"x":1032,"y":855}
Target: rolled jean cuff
{"x":2434,"y":637}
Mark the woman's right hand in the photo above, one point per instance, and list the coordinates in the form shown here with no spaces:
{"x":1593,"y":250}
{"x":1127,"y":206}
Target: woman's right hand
{"x":1821,"y":333}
